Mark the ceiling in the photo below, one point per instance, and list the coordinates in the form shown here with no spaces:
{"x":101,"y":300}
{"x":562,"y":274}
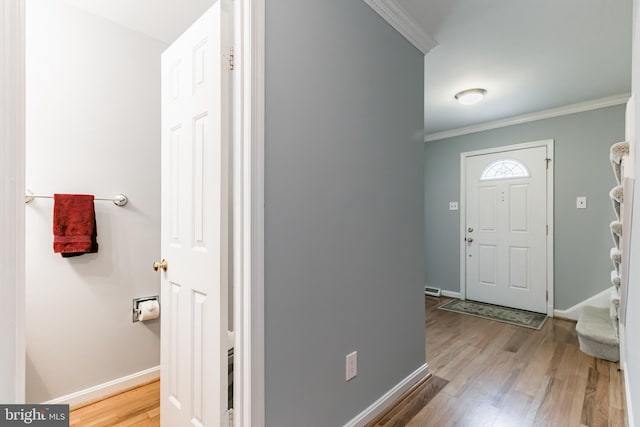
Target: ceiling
{"x":530,"y":55}
{"x":162,"y":20}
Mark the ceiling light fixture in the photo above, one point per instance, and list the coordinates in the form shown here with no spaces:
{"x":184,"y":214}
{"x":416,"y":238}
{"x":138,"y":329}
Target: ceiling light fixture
{"x":470,"y":96}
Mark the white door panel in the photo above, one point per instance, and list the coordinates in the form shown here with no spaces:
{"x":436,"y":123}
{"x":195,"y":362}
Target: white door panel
{"x":506,"y":251}
{"x":194,"y":224}
{"x":487,"y":208}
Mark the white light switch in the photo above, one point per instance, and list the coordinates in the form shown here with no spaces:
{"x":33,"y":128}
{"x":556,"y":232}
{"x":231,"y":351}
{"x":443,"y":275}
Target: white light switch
{"x":453,"y":206}
{"x":352,"y":365}
{"x":581,"y":202}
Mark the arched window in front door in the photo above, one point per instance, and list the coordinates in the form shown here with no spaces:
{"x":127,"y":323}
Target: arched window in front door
{"x":504,"y":169}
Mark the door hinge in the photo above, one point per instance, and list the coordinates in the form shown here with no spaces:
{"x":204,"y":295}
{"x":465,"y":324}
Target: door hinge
{"x":547,"y":296}
{"x":230,"y":414}
{"x":547,"y":160}
{"x":230,"y":59}
{"x":547,"y":230}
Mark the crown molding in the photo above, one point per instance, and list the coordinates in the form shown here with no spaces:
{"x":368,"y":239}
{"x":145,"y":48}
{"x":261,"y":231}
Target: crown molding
{"x":398,"y":18}
{"x":532,"y":117}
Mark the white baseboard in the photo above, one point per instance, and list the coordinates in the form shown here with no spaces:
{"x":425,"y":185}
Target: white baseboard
{"x":599,"y":300}
{"x":105,"y":389}
{"x":451,"y":294}
{"x":389,"y":398}
{"x":627,"y":394}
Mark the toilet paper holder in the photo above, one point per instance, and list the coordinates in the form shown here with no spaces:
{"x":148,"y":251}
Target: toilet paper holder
{"x":138,"y":301}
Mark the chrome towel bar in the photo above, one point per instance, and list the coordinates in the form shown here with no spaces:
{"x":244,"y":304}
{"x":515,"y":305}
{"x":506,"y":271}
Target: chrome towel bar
{"x":118,"y":199}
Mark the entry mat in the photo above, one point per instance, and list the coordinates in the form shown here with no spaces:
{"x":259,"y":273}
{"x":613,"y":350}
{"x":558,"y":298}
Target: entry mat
{"x":498,"y":313}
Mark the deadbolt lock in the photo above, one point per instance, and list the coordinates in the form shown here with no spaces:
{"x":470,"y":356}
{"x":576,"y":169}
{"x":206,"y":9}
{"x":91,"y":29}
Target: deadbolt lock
{"x":470,"y":229}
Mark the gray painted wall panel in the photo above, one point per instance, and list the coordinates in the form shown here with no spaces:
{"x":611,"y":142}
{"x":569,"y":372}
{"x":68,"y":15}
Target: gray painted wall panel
{"x":344,"y":210}
{"x":582,"y":238}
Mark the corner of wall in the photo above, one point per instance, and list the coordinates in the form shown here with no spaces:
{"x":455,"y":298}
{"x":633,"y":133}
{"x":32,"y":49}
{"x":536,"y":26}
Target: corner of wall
{"x":573,"y":313}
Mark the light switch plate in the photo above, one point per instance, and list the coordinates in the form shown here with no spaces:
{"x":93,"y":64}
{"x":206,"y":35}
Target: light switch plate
{"x":581,"y":202}
{"x":352,"y":365}
{"x":453,"y":206}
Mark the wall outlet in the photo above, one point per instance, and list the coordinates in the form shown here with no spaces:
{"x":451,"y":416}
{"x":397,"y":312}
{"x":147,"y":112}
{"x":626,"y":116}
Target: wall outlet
{"x":581,"y":202}
{"x":352,"y":365}
{"x":453,"y":206}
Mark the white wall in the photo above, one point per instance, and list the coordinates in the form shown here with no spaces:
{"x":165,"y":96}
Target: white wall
{"x":632,"y":338}
{"x":93,"y":120}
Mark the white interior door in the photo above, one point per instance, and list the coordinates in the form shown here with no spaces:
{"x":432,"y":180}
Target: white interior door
{"x":506,"y":228}
{"x":194,"y":231}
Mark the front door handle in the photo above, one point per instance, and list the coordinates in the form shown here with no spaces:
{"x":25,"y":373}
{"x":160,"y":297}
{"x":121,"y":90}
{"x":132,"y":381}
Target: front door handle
{"x":469,"y":239}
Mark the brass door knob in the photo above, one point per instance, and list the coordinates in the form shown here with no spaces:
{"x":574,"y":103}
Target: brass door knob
{"x":160,"y":265}
{"x":469,"y":239}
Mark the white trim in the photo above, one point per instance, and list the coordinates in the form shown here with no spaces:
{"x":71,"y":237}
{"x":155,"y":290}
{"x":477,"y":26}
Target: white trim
{"x":551,"y":228}
{"x":595,"y":104}
{"x":398,"y":18}
{"x":12,"y":168}
{"x":627,"y":394}
{"x":623,"y":344}
{"x":249,"y":131}
{"x":462,"y":205}
{"x":389,"y":397}
{"x":105,"y":389}
{"x":451,"y":294}
{"x":601,"y":299}
{"x":549,"y":144}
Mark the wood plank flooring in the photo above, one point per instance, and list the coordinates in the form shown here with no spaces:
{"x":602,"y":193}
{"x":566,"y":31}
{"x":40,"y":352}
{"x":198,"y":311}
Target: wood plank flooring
{"x":136,"y":407}
{"x":484,"y":373}
{"x":488,"y":373}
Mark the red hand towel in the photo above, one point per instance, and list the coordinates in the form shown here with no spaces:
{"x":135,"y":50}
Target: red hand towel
{"x":74,"y":225}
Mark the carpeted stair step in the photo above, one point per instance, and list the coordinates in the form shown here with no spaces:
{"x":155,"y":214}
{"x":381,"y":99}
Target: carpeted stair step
{"x":597,"y":335}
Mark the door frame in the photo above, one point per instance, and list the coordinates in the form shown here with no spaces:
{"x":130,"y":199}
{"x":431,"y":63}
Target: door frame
{"x":12,"y":186}
{"x":549,"y":144}
{"x":248,"y":211}
{"x":248,"y":142}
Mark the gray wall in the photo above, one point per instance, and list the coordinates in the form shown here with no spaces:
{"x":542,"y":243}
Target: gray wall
{"x":344,"y":210}
{"x":581,"y":168}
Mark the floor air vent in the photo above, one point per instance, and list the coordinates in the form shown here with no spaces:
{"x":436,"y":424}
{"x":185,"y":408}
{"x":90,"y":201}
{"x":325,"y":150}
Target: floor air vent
{"x":432,"y":292}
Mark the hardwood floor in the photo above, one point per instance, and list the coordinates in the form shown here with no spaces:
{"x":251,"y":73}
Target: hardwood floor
{"x":487,"y":373}
{"x":136,"y":407}
{"x":484,"y":373}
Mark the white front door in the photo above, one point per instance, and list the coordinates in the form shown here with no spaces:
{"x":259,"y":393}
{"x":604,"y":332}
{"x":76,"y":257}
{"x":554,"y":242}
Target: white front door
{"x":195,"y":145}
{"x":506,"y":228}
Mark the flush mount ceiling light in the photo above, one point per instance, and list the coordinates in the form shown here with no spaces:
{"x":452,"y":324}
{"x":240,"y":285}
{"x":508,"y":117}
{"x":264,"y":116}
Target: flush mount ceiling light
{"x":470,"y":96}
